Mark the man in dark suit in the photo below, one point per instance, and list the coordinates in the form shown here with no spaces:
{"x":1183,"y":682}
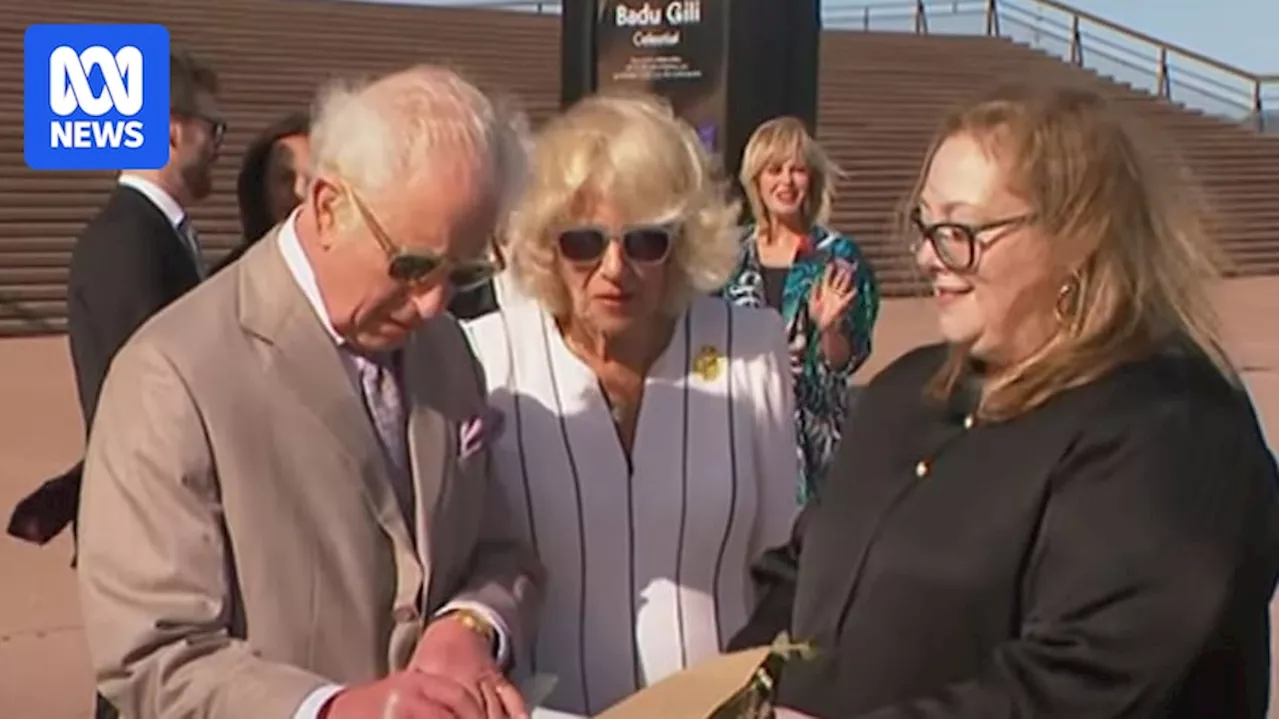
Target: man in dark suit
{"x":138,"y":254}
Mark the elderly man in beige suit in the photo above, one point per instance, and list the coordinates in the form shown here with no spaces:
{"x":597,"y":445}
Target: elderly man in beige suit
{"x":288,"y":506}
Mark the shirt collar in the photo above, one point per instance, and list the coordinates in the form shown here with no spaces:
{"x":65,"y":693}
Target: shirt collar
{"x":158,"y":197}
{"x":296,"y":260}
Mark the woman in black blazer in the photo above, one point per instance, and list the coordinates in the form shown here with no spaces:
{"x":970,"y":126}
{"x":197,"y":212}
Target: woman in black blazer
{"x":1068,"y":508}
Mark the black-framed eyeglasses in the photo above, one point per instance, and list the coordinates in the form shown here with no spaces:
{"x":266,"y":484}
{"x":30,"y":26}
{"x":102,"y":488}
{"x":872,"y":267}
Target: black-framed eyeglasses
{"x":641,"y":244}
{"x":217,"y":125}
{"x":957,"y":243}
{"x":413,"y":268}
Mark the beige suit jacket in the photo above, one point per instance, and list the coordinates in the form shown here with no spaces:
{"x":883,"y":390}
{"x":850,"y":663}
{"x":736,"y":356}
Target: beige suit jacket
{"x":240,"y":540}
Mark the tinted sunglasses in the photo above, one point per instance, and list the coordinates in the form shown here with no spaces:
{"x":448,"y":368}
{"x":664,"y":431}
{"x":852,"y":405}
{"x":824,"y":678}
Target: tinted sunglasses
{"x":642,"y":244}
{"x":415,"y":267}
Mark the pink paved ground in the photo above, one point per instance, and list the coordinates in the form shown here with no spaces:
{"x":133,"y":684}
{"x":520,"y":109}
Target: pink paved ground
{"x":43,"y":670}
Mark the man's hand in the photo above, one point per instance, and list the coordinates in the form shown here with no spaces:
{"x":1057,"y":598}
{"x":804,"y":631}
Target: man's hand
{"x":405,"y":695}
{"x":451,"y":649}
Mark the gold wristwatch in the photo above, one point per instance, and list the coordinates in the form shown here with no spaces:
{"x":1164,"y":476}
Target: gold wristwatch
{"x":476,"y":622}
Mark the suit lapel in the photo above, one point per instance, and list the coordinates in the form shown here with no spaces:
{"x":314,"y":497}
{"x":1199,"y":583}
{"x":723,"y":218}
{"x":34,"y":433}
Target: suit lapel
{"x":302,"y":357}
{"x":190,"y":252}
{"x":432,"y":453}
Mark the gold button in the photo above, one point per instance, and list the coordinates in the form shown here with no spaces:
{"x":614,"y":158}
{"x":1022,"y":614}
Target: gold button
{"x":922,"y":469}
{"x":968,"y":421}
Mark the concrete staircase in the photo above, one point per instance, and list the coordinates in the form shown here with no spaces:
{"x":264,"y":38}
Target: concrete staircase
{"x":270,"y":56}
{"x":881,"y":96}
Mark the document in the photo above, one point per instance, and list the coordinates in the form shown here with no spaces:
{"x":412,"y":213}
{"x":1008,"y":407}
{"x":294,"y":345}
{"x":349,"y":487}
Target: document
{"x":544,"y":713}
{"x":537,"y":689}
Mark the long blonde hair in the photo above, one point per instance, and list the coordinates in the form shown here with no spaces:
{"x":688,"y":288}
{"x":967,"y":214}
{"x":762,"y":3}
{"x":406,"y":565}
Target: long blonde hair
{"x":1121,"y":210}
{"x":778,"y":140}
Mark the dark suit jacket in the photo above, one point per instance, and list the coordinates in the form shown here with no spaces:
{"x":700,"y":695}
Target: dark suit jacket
{"x":127,"y":264}
{"x":474,"y":304}
{"x":1109,"y":554}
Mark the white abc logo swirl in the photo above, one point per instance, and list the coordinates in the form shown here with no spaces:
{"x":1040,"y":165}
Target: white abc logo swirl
{"x":69,"y":81}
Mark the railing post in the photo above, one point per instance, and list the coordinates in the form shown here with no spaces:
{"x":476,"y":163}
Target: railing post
{"x":993,"y":19}
{"x":922,"y":23}
{"x":1259,"y":123}
{"x":866,"y":18}
{"x":1077,"y":50}
{"x":1162,"y":74}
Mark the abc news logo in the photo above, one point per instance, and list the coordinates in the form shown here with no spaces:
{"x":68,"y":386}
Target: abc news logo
{"x":69,"y":90}
{"x":96,"y":97}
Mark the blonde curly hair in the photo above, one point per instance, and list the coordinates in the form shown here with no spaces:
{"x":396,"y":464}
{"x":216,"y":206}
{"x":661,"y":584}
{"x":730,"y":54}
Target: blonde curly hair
{"x":631,"y":152}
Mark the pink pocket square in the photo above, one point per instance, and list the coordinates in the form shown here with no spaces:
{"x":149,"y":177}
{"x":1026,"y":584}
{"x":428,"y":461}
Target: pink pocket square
{"x":479,"y":432}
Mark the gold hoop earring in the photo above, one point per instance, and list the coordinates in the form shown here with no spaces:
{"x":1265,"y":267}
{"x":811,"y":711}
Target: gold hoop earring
{"x":1066,"y":306}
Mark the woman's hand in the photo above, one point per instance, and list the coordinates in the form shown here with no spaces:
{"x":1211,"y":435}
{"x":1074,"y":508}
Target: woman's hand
{"x":832,"y":294}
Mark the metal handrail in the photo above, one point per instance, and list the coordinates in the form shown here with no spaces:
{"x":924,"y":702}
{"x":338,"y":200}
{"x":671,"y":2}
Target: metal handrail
{"x":1246,"y":92}
{"x":537,"y":7}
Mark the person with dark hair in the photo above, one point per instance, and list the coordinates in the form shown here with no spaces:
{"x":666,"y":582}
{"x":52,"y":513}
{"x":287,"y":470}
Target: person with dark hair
{"x":138,"y":254}
{"x":273,"y":179}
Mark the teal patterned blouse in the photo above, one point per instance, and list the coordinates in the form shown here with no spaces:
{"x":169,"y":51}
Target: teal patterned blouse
{"x":821,"y":391}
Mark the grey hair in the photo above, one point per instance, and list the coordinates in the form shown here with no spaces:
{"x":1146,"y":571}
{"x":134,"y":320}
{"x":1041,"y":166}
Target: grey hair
{"x":394,"y":130}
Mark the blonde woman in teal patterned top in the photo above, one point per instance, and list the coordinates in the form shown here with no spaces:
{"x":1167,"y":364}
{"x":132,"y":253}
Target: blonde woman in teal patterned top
{"x":814,"y":277}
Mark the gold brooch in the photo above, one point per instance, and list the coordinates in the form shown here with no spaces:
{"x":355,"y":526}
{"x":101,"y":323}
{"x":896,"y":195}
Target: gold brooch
{"x":709,"y":363}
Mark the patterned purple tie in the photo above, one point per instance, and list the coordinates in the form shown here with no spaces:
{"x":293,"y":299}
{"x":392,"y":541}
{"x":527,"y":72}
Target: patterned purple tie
{"x":380,"y":387}
{"x":381,"y":392}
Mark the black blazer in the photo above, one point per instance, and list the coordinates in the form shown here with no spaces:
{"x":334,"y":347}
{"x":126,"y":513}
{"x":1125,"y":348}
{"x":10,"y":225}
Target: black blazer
{"x":475,"y":304}
{"x":128,"y":263}
{"x":1110,"y":554}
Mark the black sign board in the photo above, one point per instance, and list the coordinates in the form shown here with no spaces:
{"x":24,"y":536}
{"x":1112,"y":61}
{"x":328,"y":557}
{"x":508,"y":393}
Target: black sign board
{"x":673,"y":49}
{"x":724,"y":65}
